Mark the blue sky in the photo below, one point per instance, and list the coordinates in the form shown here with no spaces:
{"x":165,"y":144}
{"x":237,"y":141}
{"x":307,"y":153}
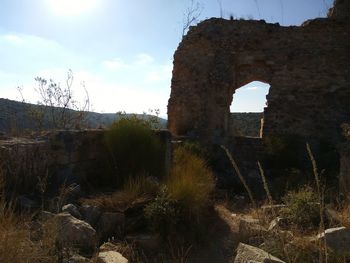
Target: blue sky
{"x":121,"y":49}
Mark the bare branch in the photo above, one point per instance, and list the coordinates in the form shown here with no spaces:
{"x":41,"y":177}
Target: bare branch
{"x":191,"y":16}
{"x":220,"y":6}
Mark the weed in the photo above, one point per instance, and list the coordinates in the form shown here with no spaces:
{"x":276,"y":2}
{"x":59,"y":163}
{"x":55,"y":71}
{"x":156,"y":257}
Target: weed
{"x":162,"y":214}
{"x":302,"y":208}
{"x":16,"y":245}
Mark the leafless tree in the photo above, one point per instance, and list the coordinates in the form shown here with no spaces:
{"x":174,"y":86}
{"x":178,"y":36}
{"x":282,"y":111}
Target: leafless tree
{"x":258,"y":7}
{"x":191,"y":15}
{"x":220,"y":6}
{"x":282,"y":11}
{"x":58,"y":108}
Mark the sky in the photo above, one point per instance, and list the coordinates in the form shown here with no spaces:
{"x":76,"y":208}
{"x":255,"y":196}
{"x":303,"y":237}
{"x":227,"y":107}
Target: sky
{"x":120,"y":50}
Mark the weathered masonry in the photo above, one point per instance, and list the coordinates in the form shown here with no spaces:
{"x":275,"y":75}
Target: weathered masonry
{"x":307,"y":67}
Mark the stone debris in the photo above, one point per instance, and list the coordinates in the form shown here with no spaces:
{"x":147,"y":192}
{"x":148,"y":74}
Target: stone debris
{"x":250,"y":227}
{"x":247,"y":253}
{"x":111,"y":257}
{"x":72,"y":209}
{"x":337,"y":239}
{"x":73,"y":232}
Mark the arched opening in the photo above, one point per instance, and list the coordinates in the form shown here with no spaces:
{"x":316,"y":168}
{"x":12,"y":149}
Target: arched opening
{"x":247,"y":108}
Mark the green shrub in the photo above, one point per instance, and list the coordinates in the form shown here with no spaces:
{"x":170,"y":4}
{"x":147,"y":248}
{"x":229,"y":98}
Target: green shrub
{"x":302,"y":208}
{"x":134,"y":149}
{"x":162,"y":214}
{"x":190,"y":183}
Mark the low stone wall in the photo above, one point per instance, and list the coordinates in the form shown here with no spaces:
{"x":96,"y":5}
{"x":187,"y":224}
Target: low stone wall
{"x":246,"y":151}
{"x":63,"y":156}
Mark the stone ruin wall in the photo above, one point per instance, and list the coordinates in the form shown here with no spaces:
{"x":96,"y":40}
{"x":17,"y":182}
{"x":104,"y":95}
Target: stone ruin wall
{"x":307,"y":67}
{"x":67,"y":157}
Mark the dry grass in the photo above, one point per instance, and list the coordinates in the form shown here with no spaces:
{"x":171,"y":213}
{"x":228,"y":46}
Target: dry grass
{"x":117,"y":202}
{"x":16,"y":245}
{"x":138,"y":189}
{"x":190,"y":182}
{"x":142,"y":185}
{"x":344,"y":216}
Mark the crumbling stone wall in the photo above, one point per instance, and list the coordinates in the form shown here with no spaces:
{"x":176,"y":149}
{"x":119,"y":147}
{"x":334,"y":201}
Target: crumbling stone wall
{"x":65,"y":157}
{"x":307,"y":67}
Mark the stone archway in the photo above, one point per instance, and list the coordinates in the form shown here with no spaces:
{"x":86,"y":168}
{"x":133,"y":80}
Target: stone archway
{"x":247,"y":110}
{"x":307,"y":68}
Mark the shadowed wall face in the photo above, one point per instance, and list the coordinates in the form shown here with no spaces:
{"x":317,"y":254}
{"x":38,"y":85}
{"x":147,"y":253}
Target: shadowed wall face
{"x":307,"y":68}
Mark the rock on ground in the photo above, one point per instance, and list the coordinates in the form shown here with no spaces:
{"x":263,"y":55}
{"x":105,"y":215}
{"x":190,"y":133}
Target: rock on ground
{"x":90,"y":214}
{"x":111,"y":257}
{"x":74,"y":232}
{"x":72,"y":209}
{"x":76,"y":259}
{"x":247,"y":253}
{"x":337,"y":239}
{"x":250,"y":227}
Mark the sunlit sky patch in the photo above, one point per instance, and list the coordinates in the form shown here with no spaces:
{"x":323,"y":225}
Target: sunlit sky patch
{"x":72,"y":7}
{"x":250,"y":98}
{"x":121,"y":49}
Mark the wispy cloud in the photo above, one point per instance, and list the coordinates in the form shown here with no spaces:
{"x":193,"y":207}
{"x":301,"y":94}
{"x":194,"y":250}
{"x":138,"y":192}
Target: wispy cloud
{"x":115,"y":64}
{"x":13,"y":39}
{"x":144,"y":59}
{"x":28,"y":41}
{"x":141,"y":60}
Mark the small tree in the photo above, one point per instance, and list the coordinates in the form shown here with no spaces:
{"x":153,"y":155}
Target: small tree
{"x":191,"y":15}
{"x":58,"y":109}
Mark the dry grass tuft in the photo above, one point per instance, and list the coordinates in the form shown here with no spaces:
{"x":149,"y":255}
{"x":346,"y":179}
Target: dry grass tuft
{"x":190,"y":182}
{"x":344,"y":216}
{"x":135,"y":190}
{"x":16,"y":245}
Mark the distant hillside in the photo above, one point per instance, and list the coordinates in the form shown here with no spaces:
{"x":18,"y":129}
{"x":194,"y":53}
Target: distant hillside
{"x":245,"y":123}
{"x":15,"y":115}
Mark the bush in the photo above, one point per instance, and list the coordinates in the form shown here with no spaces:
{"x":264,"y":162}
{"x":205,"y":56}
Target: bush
{"x":184,"y":199}
{"x":134,"y":149}
{"x":162,"y":214}
{"x":302,"y":208}
{"x":190,"y":183}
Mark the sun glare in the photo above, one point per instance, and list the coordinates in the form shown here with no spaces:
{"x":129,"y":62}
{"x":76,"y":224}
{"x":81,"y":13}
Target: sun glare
{"x":71,"y":7}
